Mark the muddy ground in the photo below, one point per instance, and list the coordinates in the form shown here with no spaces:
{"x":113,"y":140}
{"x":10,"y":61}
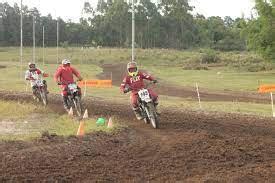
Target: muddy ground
{"x":117,"y":72}
{"x":189,"y":147}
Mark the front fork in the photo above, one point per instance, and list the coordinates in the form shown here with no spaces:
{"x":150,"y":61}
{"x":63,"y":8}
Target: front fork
{"x":145,"y":111}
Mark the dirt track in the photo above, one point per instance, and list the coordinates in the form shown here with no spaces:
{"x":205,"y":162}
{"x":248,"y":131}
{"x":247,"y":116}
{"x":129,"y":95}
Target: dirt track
{"x":189,"y":147}
{"x":118,"y":72}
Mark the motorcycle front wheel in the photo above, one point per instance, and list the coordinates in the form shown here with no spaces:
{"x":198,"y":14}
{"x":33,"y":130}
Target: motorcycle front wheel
{"x":152,"y":115}
{"x":77,"y":105}
{"x":44,"y":97}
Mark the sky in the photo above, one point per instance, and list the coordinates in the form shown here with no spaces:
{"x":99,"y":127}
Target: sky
{"x":71,"y":9}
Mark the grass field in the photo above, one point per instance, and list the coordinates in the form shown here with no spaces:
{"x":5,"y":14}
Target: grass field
{"x":24,"y":121}
{"x":165,"y":64}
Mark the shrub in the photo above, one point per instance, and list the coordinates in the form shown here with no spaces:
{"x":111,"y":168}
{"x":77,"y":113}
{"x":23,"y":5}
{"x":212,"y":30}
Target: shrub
{"x":210,"y":56}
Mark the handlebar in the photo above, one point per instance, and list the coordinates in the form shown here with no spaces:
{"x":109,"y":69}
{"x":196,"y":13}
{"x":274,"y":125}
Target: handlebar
{"x":63,"y":83}
{"x":146,"y":86}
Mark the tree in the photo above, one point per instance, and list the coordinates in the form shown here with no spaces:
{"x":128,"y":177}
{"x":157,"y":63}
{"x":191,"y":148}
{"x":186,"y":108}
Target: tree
{"x":167,"y":24}
{"x":261,"y":30}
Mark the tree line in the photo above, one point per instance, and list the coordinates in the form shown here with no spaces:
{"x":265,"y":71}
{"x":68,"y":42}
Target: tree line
{"x":166,"y":24}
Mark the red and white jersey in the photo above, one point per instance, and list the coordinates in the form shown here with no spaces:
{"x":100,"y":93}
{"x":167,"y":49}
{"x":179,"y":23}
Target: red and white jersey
{"x":33,"y":75}
{"x":135,"y":82}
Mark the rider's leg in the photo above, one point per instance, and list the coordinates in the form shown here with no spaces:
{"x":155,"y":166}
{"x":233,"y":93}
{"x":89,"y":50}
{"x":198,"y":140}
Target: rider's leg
{"x":34,"y":92}
{"x":65,"y":99}
{"x":154,"y":96}
{"x":79,"y":91}
{"x":134,"y":103}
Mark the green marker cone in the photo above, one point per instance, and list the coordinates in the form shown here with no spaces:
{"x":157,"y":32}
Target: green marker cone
{"x":100,"y":121}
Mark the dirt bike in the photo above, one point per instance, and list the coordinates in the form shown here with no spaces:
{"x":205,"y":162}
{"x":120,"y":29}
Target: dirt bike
{"x":41,"y":91}
{"x":147,"y":107}
{"x":74,"y":97}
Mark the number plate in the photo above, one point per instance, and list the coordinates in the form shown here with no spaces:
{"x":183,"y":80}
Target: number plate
{"x":144,"y":95}
{"x":39,"y":82}
{"x":72,"y":87}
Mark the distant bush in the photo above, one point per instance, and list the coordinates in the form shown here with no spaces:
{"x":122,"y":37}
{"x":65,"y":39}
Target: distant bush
{"x":253,"y":67}
{"x":195,"y":67}
{"x":64,"y":44}
{"x":259,"y":67}
{"x":209,"y":56}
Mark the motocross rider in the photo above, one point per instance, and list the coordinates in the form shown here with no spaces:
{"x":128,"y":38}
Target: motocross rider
{"x":33,"y":74}
{"x":64,"y":76}
{"x":134,"y":82}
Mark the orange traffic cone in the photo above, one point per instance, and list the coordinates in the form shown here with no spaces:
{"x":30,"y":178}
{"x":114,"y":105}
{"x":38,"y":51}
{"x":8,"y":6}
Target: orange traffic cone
{"x":110,"y":123}
{"x":80,"y":131}
{"x":85,"y":116}
{"x":71,"y":112}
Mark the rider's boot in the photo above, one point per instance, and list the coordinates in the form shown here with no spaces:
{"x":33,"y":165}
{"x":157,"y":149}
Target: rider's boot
{"x":65,"y":103}
{"x":137,"y":113}
{"x":34,"y":93}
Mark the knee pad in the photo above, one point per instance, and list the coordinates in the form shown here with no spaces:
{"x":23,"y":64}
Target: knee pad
{"x":64,"y":93}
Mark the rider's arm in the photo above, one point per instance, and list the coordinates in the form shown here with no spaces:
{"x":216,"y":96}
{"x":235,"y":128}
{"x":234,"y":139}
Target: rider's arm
{"x":42,"y":73}
{"x":123,"y":84}
{"x":76,"y":73}
{"x":39,"y":71}
{"x":147,"y":76}
{"x":27,"y":75}
{"x":57,"y":75}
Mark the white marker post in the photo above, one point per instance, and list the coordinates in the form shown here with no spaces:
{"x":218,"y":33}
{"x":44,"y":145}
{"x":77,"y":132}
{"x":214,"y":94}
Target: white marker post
{"x":85,"y":89}
{"x":197,"y":87}
{"x":268,"y":88}
{"x":272,"y":106}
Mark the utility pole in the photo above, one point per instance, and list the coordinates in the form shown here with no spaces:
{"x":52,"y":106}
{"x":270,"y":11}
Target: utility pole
{"x":21,"y":40}
{"x":57,"y":40}
{"x":33,"y":38}
{"x":43,"y":46}
{"x":133,"y":31}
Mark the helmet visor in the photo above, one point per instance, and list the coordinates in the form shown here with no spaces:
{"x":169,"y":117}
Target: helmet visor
{"x":32,"y":66}
{"x":134,"y":69}
{"x":66,"y":64}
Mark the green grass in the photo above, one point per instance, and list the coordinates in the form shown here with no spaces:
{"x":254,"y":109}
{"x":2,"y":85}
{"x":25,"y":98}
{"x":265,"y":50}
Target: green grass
{"x":162,"y":63}
{"x":66,"y":126}
{"x":25,"y":121}
{"x":216,"y":79}
{"x":230,"y":107}
{"x":165,"y":64}
{"x":16,"y":110}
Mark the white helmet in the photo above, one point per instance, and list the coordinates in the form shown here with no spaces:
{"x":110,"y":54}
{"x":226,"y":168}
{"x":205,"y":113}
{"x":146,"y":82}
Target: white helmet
{"x":66,"y":61}
{"x":32,"y":66}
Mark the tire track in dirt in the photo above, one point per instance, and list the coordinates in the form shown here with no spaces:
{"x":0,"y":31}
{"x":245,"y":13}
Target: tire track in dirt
{"x":189,"y":146}
{"x":117,"y":71}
